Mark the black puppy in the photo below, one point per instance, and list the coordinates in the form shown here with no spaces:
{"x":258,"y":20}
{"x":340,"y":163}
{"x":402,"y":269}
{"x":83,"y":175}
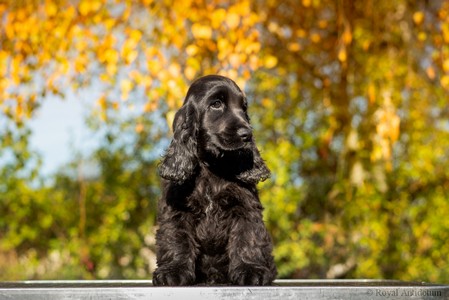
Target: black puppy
{"x":210,"y":218}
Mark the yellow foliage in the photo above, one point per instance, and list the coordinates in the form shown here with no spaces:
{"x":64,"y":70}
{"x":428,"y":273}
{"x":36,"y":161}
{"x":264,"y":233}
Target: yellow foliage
{"x":347,"y":35}
{"x":192,"y":50}
{"x":232,"y":20}
{"x":150,"y":106}
{"x":139,"y":128}
{"x":445,"y":81}
{"x":126,"y":86}
{"x":270,"y":62}
{"x":200,"y":31}
{"x":306,"y":3}
{"x":431,"y":72}
{"x":87,"y":7}
{"x":387,"y":130}
{"x":51,"y":8}
{"x":446,"y":65}
{"x":174,"y":70}
{"x":268,"y":103}
{"x":371,"y":93}
{"x":445,"y":30}
{"x":418,"y":17}
{"x":342,"y":55}
{"x":102,"y":101}
{"x":294,"y":47}
{"x":86,"y":27}
{"x":315,"y":37}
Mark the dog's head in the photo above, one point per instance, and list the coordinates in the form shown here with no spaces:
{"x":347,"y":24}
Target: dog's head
{"x":212,"y":128}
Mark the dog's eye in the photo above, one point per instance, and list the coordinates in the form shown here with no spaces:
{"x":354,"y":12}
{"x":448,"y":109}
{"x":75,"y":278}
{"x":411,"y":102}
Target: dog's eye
{"x":217,"y":104}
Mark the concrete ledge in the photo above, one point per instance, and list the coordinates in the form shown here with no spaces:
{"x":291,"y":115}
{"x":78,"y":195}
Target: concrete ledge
{"x":281,"y":289}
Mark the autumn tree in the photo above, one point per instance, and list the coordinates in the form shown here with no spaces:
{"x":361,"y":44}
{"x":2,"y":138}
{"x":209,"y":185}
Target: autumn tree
{"x":353,"y":86}
{"x":348,"y":100}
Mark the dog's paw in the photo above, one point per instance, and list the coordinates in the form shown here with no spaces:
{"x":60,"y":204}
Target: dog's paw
{"x":172,"y":278}
{"x":252,"y":276}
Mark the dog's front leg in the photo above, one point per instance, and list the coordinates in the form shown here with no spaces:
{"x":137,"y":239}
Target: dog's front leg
{"x":249,"y":250}
{"x":176,"y":254}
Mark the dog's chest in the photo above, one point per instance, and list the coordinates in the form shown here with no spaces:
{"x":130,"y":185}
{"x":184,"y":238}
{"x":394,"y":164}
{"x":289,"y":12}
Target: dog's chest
{"x":213,"y":222}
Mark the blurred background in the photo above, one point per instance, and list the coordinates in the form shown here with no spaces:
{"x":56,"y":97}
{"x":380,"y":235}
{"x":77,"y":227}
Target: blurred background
{"x":348,"y":100}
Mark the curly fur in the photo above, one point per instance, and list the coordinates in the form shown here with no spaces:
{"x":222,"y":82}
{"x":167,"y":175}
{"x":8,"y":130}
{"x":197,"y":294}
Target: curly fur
{"x":210,"y":218}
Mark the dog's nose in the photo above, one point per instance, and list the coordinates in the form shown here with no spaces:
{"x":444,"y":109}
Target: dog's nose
{"x":245,"y":134}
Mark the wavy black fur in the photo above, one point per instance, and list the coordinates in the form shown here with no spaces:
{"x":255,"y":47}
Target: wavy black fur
{"x":210,"y":218}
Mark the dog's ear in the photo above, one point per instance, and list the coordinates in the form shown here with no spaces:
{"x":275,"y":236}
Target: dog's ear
{"x":181,"y":158}
{"x":258,"y":170}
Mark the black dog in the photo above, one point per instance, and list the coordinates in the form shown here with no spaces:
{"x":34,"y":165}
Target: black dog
{"x":210,"y":217}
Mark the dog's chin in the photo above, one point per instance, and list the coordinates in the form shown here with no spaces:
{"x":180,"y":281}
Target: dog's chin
{"x":229,"y":162}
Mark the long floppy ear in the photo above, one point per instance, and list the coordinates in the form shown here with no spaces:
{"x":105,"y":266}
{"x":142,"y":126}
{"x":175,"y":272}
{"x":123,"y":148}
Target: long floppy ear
{"x":181,"y":158}
{"x":258,"y":170}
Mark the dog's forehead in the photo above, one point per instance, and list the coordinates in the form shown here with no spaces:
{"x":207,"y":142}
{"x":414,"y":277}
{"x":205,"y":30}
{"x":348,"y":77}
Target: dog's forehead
{"x":211,"y":84}
{"x":224,"y":87}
